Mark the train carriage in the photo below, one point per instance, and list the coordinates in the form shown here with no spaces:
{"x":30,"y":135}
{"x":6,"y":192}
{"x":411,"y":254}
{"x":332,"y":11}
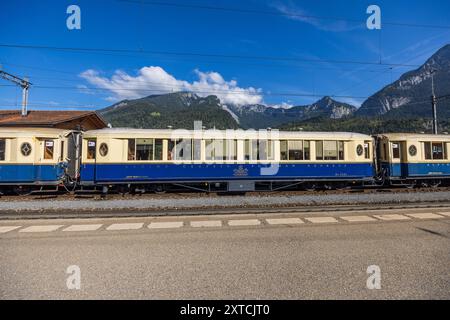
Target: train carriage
{"x":32,"y":158}
{"x":231,"y":160}
{"x":414,"y":159}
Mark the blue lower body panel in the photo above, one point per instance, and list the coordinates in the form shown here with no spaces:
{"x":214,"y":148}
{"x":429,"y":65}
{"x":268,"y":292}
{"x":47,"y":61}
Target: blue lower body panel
{"x":30,"y":174}
{"x":129,"y":173}
{"x":418,"y":170}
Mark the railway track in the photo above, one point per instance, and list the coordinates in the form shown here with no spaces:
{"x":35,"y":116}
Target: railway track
{"x":193,"y":194}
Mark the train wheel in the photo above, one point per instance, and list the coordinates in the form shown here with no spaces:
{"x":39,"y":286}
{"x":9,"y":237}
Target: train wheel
{"x":434,"y":183}
{"x":160,"y":189}
{"x":310,"y":186}
{"x":22,"y":190}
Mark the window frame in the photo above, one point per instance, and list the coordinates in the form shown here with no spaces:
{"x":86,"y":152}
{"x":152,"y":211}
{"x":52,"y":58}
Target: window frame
{"x":3,"y":142}
{"x":305,"y":151}
{"x":340,"y":150}
{"x":52,"y":150}
{"x":431,"y":150}
{"x":132,"y":149}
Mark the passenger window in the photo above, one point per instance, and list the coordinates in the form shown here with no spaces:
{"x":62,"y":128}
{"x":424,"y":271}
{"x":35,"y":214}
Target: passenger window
{"x":395,"y":150}
{"x":62,"y":151}
{"x":283,"y":150}
{"x":48,"y":149}
{"x":2,"y":149}
{"x":438,"y":150}
{"x":131,"y":149}
{"x":295,"y":150}
{"x":330,"y":150}
{"x":158,"y":149}
{"x":183,"y":149}
{"x":319,"y":150}
{"x":197,"y":152}
{"x":144,"y":149}
{"x":366,"y":150}
{"x":231,"y":149}
{"x":91,"y":148}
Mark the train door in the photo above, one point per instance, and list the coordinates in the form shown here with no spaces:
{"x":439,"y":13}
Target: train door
{"x":73,"y":154}
{"x":399,"y":162}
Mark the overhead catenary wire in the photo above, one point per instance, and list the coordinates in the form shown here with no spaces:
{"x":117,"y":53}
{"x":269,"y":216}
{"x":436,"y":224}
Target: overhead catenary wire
{"x":277,"y":13}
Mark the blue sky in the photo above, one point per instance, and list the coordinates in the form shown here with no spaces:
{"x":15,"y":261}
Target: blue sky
{"x":258,"y":52}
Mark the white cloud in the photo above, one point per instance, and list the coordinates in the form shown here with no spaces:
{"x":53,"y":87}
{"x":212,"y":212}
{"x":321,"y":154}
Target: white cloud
{"x":294,"y":12}
{"x":155,"y":80}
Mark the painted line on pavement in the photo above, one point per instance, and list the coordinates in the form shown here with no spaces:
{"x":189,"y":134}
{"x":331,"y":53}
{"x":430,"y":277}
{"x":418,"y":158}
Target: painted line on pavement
{"x":277,"y":221}
{"x":6,"y":229}
{"x":125,"y":226}
{"x":206,"y":223}
{"x":322,"y":219}
{"x":427,"y":215}
{"x":165,"y":225}
{"x":358,"y":219}
{"x":83,"y":227}
{"x":391,"y":217}
{"x":245,"y":222}
{"x":43,"y":228}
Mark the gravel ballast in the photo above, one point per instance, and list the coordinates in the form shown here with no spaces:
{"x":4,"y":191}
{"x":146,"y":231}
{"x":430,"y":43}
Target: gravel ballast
{"x":170,"y":202}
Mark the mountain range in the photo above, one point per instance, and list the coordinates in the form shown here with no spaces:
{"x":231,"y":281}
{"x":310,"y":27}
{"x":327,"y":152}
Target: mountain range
{"x":407,"y":98}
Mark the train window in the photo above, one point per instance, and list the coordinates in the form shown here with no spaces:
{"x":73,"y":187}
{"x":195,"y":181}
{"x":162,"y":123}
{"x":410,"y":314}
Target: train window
{"x":91,"y":148}
{"x":25,"y":149}
{"x":183,"y":149}
{"x":197,"y":149}
{"x":330,"y":150}
{"x":258,"y":150}
{"x":283,"y":150}
{"x":341,"y":150}
{"x":158,"y":149}
{"x":103,"y":149}
{"x":170,"y":150}
{"x":367,"y":150}
{"x":319,"y":150}
{"x":295,"y":150}
{"x":131,"y":149}
{"x":62,"y":151}
{"x":2,"y":149}
{"x":48,"y":149}
{"x":144,"y":149}
{"x":395,"y":150}
{"x":438,"y":150}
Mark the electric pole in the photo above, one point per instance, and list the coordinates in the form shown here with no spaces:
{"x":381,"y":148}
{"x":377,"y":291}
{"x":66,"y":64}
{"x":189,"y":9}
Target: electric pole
{"x":22,"y":83}
{"x":433,"y":104}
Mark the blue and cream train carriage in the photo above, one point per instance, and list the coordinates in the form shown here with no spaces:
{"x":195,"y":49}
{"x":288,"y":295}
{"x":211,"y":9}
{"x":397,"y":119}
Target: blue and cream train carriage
{"x":32,"y":158}
{"x":414,"y":159}
{"x":231,"y":160}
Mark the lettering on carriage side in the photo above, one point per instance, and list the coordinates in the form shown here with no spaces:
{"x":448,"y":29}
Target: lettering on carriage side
{"x":73,"y":21}
{"x":73,"y":282}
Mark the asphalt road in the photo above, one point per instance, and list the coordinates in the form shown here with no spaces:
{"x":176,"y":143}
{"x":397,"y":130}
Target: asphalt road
{"x":303,"y":261}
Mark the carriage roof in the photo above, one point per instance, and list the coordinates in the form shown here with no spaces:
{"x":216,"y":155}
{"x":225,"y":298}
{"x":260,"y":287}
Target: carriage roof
{"x":226,"y":134}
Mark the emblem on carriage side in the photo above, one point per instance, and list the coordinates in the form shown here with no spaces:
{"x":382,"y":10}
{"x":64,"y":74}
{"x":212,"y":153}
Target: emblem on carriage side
{"x":240,"y":172}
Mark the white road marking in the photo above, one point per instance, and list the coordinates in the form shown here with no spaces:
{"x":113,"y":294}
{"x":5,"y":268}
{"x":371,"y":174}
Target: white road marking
{"x":358,"y":218}
{"x":47,"y":228}
{"x":322,"y":219}
{"x":391,"y":217}
{"x":284,"y":221}
{"x":445,"y":213}
{"x":83,"y":227}
{"x":246,"y":222}
{"x":125,"y":226}
{"x":425,"y":215}
{"x":6,"y":229}
{"x":206,"y":223}
{"x":165,"y":225}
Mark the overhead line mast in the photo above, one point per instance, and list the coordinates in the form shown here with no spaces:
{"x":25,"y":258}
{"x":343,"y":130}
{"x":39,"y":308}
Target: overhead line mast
{"x":24,"y":83}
